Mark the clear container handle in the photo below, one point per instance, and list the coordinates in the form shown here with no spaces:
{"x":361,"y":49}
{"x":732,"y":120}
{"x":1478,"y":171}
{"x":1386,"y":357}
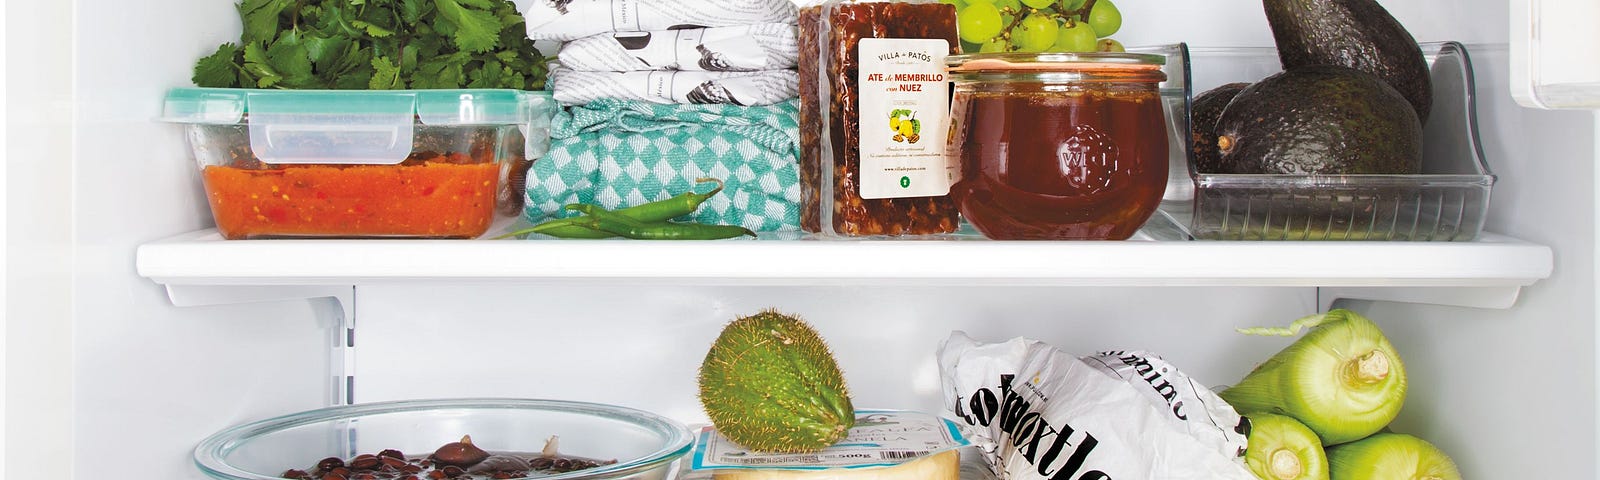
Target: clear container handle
{"x":372,"y":129}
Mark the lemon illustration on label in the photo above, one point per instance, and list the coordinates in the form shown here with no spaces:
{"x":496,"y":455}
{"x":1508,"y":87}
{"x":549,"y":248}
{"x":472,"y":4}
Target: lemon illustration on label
{"x":906,"y":129}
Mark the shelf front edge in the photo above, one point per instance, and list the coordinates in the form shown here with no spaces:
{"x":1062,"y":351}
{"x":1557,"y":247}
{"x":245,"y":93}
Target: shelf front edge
{"x":200,"y":259}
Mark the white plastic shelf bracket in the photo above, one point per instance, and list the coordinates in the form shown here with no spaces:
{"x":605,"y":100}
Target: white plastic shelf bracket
{"x":342,"y":359}
{"x":198,"y":295}
{"x":1475,"y":297}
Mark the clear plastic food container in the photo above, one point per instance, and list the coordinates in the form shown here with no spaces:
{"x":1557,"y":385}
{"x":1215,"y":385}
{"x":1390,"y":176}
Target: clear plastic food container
{"x":1447,"y":202}
{"x":626,"y":443}
{"x":397,"y":163}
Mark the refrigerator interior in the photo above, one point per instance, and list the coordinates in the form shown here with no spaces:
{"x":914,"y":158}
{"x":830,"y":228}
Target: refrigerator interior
{"x":103,"y":370}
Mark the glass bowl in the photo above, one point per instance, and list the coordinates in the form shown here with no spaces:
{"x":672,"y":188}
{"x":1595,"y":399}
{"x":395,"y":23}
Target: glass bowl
{"x":644,"y":445}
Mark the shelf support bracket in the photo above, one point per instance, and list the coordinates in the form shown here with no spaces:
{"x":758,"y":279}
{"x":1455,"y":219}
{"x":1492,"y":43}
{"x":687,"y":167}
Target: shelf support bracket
{"x":200,"y":295}
{"x":341,"y":388}
{"x":1476,"y":297}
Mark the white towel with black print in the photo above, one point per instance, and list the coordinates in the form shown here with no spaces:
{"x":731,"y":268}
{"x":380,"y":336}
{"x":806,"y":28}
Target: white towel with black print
{"x":741,"y":48}
{"x":578,"y":87}
{"x":564,"y":20}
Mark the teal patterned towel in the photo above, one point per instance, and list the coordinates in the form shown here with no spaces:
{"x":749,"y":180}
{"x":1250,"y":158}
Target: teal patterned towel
{"x":618,"y":153}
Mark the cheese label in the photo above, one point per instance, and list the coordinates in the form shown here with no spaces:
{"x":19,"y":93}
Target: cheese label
{"x":880,"y":438}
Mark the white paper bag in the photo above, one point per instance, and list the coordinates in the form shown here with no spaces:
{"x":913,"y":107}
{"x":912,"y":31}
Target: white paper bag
{"x":1040,"y":413}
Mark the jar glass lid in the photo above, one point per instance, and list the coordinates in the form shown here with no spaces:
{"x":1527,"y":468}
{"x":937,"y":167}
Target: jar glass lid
{"x":1098,"y":66}
{"x":1072,"y":61}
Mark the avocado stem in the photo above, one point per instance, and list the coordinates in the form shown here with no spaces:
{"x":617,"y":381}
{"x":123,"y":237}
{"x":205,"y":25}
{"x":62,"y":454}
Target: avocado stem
{"x":1224,"y":143}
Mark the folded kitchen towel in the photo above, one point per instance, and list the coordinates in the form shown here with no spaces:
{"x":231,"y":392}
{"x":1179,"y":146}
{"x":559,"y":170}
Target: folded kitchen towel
{"x":564,"y":20}
{"x":578,"y":87}
{"x":618,"y":153}
{"x":740,"y":48}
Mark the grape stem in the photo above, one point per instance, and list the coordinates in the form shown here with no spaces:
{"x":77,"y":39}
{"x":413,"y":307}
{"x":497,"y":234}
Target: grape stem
{"x":1016,"y":20}
{"x":1016,"y":16}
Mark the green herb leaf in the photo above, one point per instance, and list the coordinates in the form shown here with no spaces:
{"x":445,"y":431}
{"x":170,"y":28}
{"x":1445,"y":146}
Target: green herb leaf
{"x":325,"y":53}
{"x":411,"y":11}
{"x":408,"y":59}
{"x":387,"y":76}
{"x":218,"y":70}
{"x":356,"y":80}
{"x":476,"y":31}
{"x":374,"y":30}
{"x":428,"y":47}
{"x":290,"y":59}
{"x":336,"y":22}
{"x":256,"y":64}
{"x":491,"y":75}
{"x":261,"y":19}
{"x":443,"y":71}
{"x":364,"y":44}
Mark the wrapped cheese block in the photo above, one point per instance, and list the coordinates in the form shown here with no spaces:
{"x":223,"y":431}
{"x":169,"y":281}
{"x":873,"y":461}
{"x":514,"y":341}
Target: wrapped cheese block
{"x":874,"y":109}
{"x":742,"y":48}
{"x":945,"y":465}
{"x":882,"y":445}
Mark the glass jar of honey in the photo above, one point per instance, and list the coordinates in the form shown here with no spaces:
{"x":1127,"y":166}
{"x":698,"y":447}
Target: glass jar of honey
{"x":1058,"y":146}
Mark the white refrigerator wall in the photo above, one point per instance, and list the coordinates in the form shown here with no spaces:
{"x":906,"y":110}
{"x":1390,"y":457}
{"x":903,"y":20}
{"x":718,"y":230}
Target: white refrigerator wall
{"x":1510,"y":393}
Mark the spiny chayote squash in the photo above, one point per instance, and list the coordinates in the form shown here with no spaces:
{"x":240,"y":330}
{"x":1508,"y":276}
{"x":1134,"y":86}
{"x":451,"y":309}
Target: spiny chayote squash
{"x":770,"y":384}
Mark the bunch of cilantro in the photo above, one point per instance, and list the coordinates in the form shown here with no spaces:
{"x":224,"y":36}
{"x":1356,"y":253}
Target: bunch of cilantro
{"x":378,"y":45}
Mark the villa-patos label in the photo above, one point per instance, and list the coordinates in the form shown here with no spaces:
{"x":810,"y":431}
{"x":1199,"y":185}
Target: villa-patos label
{"x":905,"y":105}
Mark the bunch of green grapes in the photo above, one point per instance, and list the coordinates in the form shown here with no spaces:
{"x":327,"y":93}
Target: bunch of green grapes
{"x":1037,"y":25}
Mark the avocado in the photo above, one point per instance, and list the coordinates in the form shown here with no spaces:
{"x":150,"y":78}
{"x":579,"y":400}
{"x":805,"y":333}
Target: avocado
{"x":1203,"y":115}
{"x":1321,"y":119}
{"x":1359,"y":34}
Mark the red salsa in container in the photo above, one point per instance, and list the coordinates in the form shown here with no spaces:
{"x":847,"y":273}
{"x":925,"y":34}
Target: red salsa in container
{"x":445,"y":196}
{"x":1058,"y":146}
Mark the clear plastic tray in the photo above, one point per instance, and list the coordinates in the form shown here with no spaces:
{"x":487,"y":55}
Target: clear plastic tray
{"x":1448,"y":202}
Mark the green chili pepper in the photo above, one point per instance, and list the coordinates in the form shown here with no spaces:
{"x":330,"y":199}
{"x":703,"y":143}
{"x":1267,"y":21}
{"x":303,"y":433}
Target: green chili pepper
{"x":600,"y":219}
{"x":653,"y":212}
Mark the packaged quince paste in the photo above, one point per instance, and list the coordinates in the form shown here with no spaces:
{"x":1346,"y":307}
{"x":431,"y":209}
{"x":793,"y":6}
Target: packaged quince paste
{"x":873,"y":118}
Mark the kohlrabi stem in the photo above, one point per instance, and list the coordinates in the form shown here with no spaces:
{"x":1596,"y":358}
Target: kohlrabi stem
{"x":1369,"y":369}
{"x":1285,"y":465}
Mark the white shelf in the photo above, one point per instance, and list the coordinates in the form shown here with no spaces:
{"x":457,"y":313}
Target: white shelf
{"x":203,"y":259}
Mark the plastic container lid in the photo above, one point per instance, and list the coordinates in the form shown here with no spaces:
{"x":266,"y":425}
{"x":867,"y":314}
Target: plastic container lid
{"x":351,"y":126}
{"x":431,"y":107}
